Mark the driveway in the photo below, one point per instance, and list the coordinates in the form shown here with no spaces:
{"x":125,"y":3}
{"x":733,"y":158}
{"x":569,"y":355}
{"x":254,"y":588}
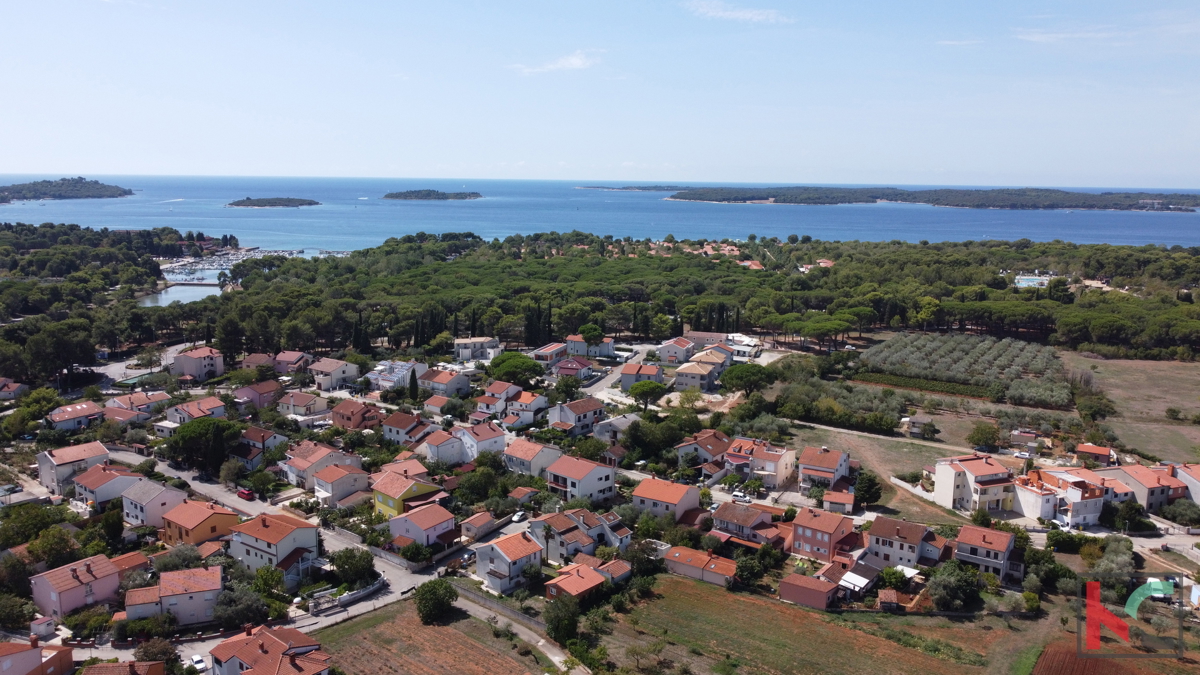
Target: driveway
{"x":606,"y":381}
{"x":121,"y":370}
{"x":214,"y":491}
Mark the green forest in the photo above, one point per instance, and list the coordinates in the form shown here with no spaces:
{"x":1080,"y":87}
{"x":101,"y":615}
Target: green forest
{"x":272,"y":202}
{"x":1013,"y":198}
{"x":432,"y":195}
{"x":638,"y":188}
{"x":63,"y":188}
{"x":414,"y":294}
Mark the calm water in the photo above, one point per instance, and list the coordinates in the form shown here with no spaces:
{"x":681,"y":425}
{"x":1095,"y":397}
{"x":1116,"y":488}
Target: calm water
{"x":353,"y":216}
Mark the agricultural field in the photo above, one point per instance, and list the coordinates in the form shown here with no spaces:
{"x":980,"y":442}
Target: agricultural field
{"x":1142,"y":391}
{"x":705,"y":625}
{"x":393,"y":641}
{"x":1025,"y":373}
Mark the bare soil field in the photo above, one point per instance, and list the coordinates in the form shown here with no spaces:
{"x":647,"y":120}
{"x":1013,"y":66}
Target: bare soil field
{"x":1059,"y":659}
{"x":393,"y":641}
{"x":887,"y":457}
{"x":705,"y":624}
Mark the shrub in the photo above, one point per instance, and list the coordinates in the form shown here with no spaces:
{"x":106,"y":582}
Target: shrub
{"x":434,"y":599}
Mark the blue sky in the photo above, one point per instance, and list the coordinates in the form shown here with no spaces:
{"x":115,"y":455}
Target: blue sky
{"x":1086,"y":93}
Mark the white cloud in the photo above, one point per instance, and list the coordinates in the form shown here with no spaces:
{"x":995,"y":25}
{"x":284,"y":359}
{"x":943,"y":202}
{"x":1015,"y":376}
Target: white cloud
{"x":1048,"y":37}
{"x":959,"y":43}
{"x":580,"y":59}
{"x":717,"y":9}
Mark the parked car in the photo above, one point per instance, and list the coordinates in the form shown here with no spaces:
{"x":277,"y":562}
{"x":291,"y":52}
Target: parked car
{"x":743,"y":500}
{"x":246,"y":494}
{"x":1022,"y":455}
{"x":468,"y":557}
{"x":738,"y":494}
{"x":518,"y":516}
{"x":198,"y":661}
{"x":713,"y":507}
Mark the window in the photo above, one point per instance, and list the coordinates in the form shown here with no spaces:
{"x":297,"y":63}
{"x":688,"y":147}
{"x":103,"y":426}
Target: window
{"x":213,"y":529}
{"x":974,"y":550}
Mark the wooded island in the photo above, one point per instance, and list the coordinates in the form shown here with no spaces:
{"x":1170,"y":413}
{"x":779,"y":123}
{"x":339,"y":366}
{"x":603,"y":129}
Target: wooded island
{"x":274,"y":202}
{"x":432,"y":195}
{"x":63,"y":188}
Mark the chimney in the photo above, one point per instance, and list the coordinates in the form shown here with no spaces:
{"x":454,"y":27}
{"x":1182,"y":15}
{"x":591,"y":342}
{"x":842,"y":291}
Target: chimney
{"x":75,"y":573}
{"x":87,"y":567}
{"x":261,"y":647}
{"x":264,"y":522}
{"x":249,"y":629}
{"x":133,"y":668}
{"x":292,"y":660}
{"x":33,"y":641}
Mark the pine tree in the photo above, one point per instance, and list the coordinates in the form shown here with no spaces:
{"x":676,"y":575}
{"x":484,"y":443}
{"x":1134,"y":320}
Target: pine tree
{"x":413,"y":392}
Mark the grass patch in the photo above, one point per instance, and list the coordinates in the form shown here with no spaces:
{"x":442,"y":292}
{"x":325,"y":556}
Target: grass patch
{"x":1026,"y":660}
{"x":332,"y":635}
{"x":931,"y":646}
{"x":920,"y":384}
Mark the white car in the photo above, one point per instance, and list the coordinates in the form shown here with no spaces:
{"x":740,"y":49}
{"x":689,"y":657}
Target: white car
{"x":1022,"y":455}
{"x":518,"y":516}
{"x":739,"y":495}
{"x":199,"y":662}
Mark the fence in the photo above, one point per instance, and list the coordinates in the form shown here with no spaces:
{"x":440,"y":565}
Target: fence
{"x":915,"y":489}
{"x":395,"y":559}
{"x":500,"y":608}
{"x":354,"y":596}
{"x":347,"y":534}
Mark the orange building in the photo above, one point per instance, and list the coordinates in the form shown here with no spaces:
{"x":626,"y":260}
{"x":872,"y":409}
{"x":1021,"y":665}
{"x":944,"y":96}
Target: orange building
{"x":197,"y":522}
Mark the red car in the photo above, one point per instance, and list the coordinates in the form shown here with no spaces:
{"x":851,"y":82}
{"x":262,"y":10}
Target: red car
{"x":248,"y":495}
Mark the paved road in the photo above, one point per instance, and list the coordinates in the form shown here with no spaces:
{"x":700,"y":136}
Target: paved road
{"x":121,"y":370}
{"x":214,"y":491}
{"x":606,"y":381}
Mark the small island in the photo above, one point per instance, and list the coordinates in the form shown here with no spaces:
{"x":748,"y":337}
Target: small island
{"x":1006,"y":198}
{"x":636,"y":188}
{"x":432,"y":195}
{"x":63,"y":188}
{"x":273,"y":203}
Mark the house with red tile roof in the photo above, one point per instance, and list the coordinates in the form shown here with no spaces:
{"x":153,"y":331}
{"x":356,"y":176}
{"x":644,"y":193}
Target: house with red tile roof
{"x":748,"y":526}
{"x":822,"y":535}
{"x":304,"y":408}
{"x":183,"y":413}
{"x":522,"y":409}
{"x":501,"y":561}
{"x":822,"y":467}
{"x":574,"y":580}
{"x":195,"y":522}
{"x":661,"y":496}
{"x":394,"y":493}
{"x":355,"y":415}
{"x":892,"y":542}
{"x":632,"y":373}
{"x":1153,"y":487}
{"x":331,"y":374}
{"x":837,"y":502}
{"x":62,"y":590}
{"x":577,"y":346}
{"x":253,"y":361}
{"x":576,"y":418}
{"x":306,"y":458}
{"x":103,"y":483}
{"x":568,"y":533}
{"x":699,"y":376}
{"x":709,"y":568}
{"x":973,"y":482}
{"x":270,"y":651}
{"x":125,"y":667}
{"x":676,"y":350}
{"x":338,"y":481}
{"x":807,"y":591}
{"x":57,"y":467}
{"x":444,"y":382}
{"x":125,"y":417}
{"x":1095,"y":453}
{"x":263,"y":439}
{"x":74,"y":416}
{"x":135,"y":561}
{"x":30,"y":657}
{"x":477,"y":438}
{"x":990,"y":551}
{"x":478,"y":526}
{"x":262,"y":394}
{"x":189,"y":595}
{"x":141,"y":401}
{"x":572,"y":477}
{"x":757,"y":458}
{"x":292,"y":362}
{"x":550,"y":354}
{"x":523,"y":495}
{"x":425,"y":525}
{"x":709,"y":445}
{"x":10,"y":390}
{"x":199,"y":364}
{"x":574,"y":366}
{"x":278,"y":540}
{"x":442,"y":446}
{"x":405,"y":428}
{"x":434,"y":404}
{"x":532,"y":459}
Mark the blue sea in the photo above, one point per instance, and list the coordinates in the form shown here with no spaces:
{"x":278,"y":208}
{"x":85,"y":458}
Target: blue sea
{"x":352,"y":214}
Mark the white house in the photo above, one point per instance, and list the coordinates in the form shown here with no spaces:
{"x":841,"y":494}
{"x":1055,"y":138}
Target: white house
{"x":500,"y":561}
{"x":199,"y":364}
{"x":282,"y":541}
{"x":894,"y":542}
{"x":550,"y":354}
{"x":676,"y":350}
{"x":307,"y":458}
{"x":394,"y":374}
{"x":330,"y":374}
{"x":698,"y":376}
{"x":572,"y":477}
{"x":405,"y":429}
{"x":476,"y":349}
{"x":103,"y":483}
{"x":183,"y":413}
{"x":523,"y":409}
{"x":632,"y":373}
{"x":422,"y":525}
{"x":444,"y":382}
{"x":822,"y":467}
{"x":611,"y":429}
{"x":57,"y":467}
{"x":577,"y":417}
{"x":578,"y":531}
{"x":146,"y":501}
{"x":338,"y":481}
{"x":305,"y":409}
{"x":141,"y":401}
{"x":529,"y":458}
{"x":989,"y":550}
{"x":972,"y":482}
{"x":578,"y":346}
{"x":442,"y":446}
{"x":190,"y":595}
{"x":477,"y":438}
{"x":74,"y":416}
{"x":660,"y":497}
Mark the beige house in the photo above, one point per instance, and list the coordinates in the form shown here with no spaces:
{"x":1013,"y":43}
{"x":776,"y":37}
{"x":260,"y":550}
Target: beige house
{"x":699,"y":376}
{"x":661,"y":496}
{"x":200,"y":364}
{"x":330,"y":374}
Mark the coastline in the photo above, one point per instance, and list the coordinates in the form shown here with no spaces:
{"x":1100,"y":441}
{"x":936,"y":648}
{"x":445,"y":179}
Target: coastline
{"x":936,"y":206}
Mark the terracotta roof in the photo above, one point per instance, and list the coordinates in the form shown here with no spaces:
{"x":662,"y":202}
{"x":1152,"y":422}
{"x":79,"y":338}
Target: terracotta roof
{"x":257,"y":435}
{"x":62,"y":579}
{"x":121,"y":414}
{"x":196,"y":580}
{"x":350,"y":407}
{"x":889,"y":596}
{"x":265,"y":387}
{"x":822,"y":521}
{"x":102,"y":474}
{"x":898,"y":530}
{"x":1089,"y":449}
{"x":682,"y":343}
{"x":190,"y":514}
{"x":439,"y":376}
{"x":74,"y":411}
{"x":707,"y":357}
{"x":616,"y":568}
{"x":10,"y":648}
{"x":979,"y":465}
{"x":326,"y":365}
{"x":521,"y":492}
{"x":807,"y":582}
{"x":336,"y":472}
{"x":526,"y":397}
{"x":266,"y":652}
{"x":483,"y":432}
{"x":524,"y":449}
{"x":517,"y":545}
{"x":973,"y":535}
{"x":272,"y":528}
{"x":574,"y":467}
{"x":713,"y":441}
{"x":140,"y":399}
{"x":823,"y":458}
{"x":1150,"y":478}
{"x":738,"y":514}
{"x":298,"y":398}
{"x":497,"y":388}
{"x":289,"y":357}
{"x":123,"y":668}
{"x":209,"y":548}
{"x":479,"y":519}
{"x":436,"y":401}
{"x":701,"y":560}
{"x":407,"y":467}
{"x":130,"y":561}
{"x":428,"y":516}
{"x":839,"y":497}
{"x":662,"y":491}
{"x":693,"y":368}
{"x":202,"y":408}
{"x":575,"y":579}
{"x":438,"y":438}
{"x":584,"y":405}
{"x":311,"y":456}
{"x":394,"y":485}
{"x":639,"y":369}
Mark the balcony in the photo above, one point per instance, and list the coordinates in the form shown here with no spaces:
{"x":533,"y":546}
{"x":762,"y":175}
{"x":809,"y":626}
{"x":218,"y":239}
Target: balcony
{"x":497,"y":574}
